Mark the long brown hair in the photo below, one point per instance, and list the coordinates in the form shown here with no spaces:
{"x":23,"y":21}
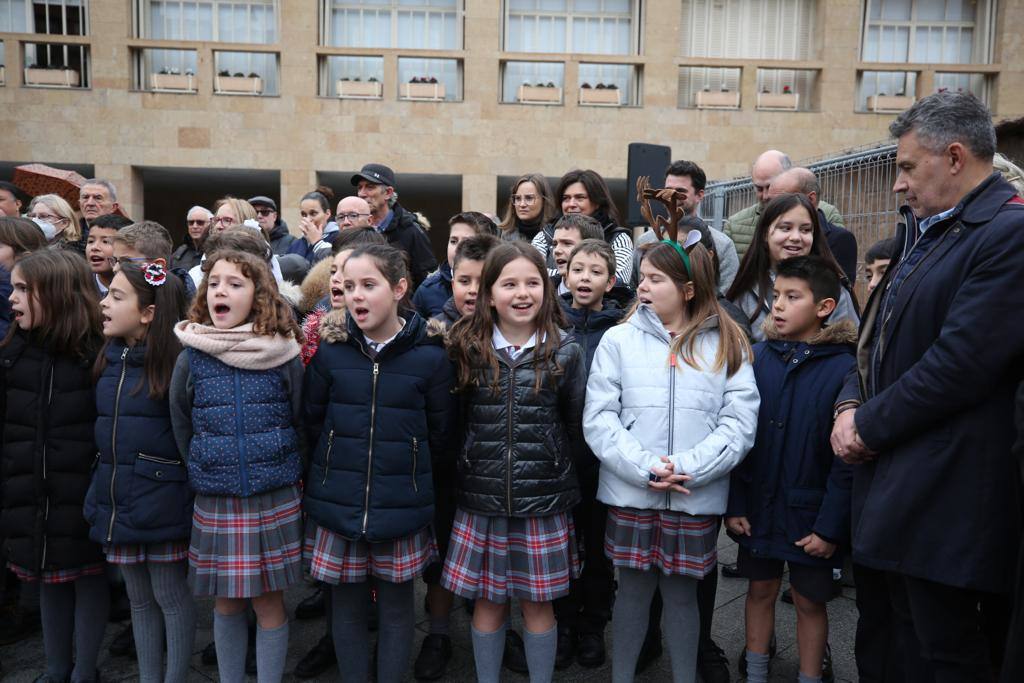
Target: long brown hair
{"x":21,"y":235}
{"x":64,"y":290}
{"x":162,"y":346}
{"x":470,"y":336}
{"x":733,"y":346}
{"x":270,"y":313}
{"x":549,"y":208}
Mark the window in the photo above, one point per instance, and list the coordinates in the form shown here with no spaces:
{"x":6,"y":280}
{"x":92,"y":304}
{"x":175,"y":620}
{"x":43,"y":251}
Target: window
{"x":352,"y":77}
{"x":709,"y":87}
{"x":53,"y":17}
{"x":608,"y":84}
{"x":583,"y":26}
{"x":754,"y":29}
{"x":52,"y":65}
{"x":786,"y":89}
{"x":532,"y":82}
{"x":248,"y":21}
{"x":406,"y":24}
{"x":927,"y":31}
{"x":886,"y":91}
{"x":429,"y":79}
{"x":245,"y":73}
{"x":978,"y":84}
{"x":161,"y":70}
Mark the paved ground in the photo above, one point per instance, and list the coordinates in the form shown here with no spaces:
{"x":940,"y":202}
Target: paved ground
{"x":24,"y":661}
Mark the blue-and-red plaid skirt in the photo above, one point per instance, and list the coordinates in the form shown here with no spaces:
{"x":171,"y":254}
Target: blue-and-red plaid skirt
{"x":495,"y":558}
{"x":160,"y":553}
{"x":245,"y":547}
{"x":334,"y":559}
{"x":674,"y":542}
{"x":57,"y":575}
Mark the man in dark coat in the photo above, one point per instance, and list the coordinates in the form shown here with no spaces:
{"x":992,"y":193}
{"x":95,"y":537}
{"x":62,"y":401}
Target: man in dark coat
{"x":273,"y":227}
{"x":929,"y":415}
{"x":375,"y":183}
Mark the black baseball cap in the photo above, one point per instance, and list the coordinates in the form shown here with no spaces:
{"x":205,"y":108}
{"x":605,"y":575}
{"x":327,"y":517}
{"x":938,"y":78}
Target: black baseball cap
{"x":260,"y":200}
{"x":379,"y":174}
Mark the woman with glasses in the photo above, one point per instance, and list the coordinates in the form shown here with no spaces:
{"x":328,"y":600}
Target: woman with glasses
{"x":58,"y":221}
{"x":318,"y":230}
{"x":586,"y":192}
{"x":531,"y":206}
{"x":230,"y":212}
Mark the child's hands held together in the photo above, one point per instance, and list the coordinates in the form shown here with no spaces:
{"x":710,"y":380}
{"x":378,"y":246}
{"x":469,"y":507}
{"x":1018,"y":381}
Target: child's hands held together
{"x":667,"y":479}
{"x":738,"y":525}
{"x":816,"y":546}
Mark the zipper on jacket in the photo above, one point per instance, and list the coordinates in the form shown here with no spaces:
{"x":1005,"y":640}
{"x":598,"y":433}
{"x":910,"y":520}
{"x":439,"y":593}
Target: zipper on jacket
{"x":415,"y":457}
{"x":673,"y":368}
{"x":327,"y":457}
{"x":113,"y":445}
{"x":160,"y":461}
{"x":243,"y":458}
{"x":46,"y":503}
{"x":369,"y":461}
{"x":508,"y":465}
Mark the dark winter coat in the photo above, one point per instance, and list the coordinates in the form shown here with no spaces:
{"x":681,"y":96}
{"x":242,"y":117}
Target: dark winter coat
{"x":520,"y":445}
{"x":48,"y":452}
{"x":280,"y":239}
{"x":791,"y":483}
{"x":843,"y":245}
{"x":589,"y":326}
{"x":5,"y":304}
{"x":187,"y":256}
{"x":140,"y":491}
{"x":449,"y":313}
{"x":939,"y":360}
{"x":314,"y":253}
{"x":378,"y":421}
{"x":431,"y":295}
{"x":404,"y":232}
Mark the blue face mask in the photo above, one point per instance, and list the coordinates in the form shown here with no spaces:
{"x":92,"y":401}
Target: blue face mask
{"x":49,"y":230}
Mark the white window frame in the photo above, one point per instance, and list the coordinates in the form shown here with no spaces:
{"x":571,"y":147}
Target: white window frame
{"x":143,"y":17}
{"x":983,"y":28}
{"x":61,"y":4}
{"x":395,"y":9}
{"x":569,"y":15}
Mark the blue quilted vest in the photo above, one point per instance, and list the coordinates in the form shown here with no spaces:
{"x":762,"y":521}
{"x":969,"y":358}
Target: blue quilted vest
{"x":244,"y":441}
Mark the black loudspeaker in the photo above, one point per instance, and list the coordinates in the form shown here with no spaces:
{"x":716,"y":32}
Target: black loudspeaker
{"x":644,"y":160}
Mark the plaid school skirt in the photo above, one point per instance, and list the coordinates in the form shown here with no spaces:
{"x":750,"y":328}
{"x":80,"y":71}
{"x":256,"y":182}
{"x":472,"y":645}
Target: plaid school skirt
{"x":495,"y":558}
{"x":674,"y":542}
{"x":135,"y":553}
{"x":245,"y":547}
{"x":56,"y":575}
{"x":334,"y":559}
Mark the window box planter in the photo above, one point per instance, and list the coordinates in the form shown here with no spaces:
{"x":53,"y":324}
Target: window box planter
{"x":173,"y":82}
{"x":52,"y":78}
{"x":369,"y":90}
{"x":534,"y":94}
{"x":3,"y":75}
{"x":778,"y":101}
{"x":239,"y":85}
{"x":422,"y":91}
{"x":608,"y":97}
{"x":718,"y":100}
{"x":889,"y":104}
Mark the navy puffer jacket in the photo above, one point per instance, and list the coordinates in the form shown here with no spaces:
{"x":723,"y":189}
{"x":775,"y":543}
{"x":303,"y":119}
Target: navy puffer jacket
{"x":432,"y":294}
{"x":378,"y":423}
{"x":140,"y":491}
{"x":589,"y":326}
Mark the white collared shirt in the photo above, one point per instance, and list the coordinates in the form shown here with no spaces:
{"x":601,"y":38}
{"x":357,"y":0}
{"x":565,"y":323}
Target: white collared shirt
{"x":376,"y":346}
{"x":499,"y":343}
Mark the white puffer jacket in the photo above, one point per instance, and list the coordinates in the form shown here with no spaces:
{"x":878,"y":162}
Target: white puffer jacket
{"x":640,"y":408}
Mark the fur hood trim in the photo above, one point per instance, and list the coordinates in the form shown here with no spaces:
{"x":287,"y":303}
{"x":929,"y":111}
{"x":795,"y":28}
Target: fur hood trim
{"x":842,"y":332}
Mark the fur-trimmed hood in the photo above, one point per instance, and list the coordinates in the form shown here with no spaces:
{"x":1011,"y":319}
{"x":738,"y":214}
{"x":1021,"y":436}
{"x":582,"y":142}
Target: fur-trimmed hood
{"x":316,"y":285}
{"x":291,"y":293}
{"x":841,"y":332}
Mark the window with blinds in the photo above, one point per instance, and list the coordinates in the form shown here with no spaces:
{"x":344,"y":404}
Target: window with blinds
{"x":249,"y":21}
{"x":607,"y":27}
{"x":407,"y":24}
{"x":927,"y":31}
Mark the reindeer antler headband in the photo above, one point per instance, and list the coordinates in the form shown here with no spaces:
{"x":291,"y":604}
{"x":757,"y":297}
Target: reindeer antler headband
{"x":667,"y":229}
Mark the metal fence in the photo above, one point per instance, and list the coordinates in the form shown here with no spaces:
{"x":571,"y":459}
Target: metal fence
{"x":858,"y":183}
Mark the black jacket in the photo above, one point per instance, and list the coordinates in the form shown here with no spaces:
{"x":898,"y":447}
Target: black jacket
{"x":843,"y":244}
{"x":186,"y":256}
{"x":404,"y":232}
{"x":48,"y":452}
{"x":937,"y":379}
{"x":280,"y":238}
{"x":589,"y":326}
{"x":517,"y":458}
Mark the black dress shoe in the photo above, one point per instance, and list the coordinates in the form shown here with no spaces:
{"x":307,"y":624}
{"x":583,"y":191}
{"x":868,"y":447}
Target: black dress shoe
{"x":590,"y":650}
{"x":318,"y":660}
{"x":712,"y":664}
{"x":730,"y":571}
{"x":123,"y":644}
{"x":209,"y":656}
{"x":515,"y":653}
{"x":313,"y":605}
{"x":650,"y":651}
{"x":566,"y":649}
{"x":432,"y":662}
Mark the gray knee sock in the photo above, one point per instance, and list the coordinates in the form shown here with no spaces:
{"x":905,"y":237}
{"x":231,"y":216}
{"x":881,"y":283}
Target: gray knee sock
{"x":395,"y":601}
{"x":349,"y":630}
{"x":681,"y":625}
{"x":488,"y":649}
{"x":92,"y":605}
{"x":271,"y":651}
{"x":757,"y":667}
{"x":172,"y":594}
{"x":540,"y":653}
{"x":147,"y":622}
{"x":231,"y":638}
{"x":56,"y":604}
{"x":629,"y":620}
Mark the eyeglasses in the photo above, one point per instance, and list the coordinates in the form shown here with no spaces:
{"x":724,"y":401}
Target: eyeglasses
{"x":114,"y":261}
{"x":226,"y":221}
{"x":525,"y":199}
{"x":49,"y":218}
{"x":201,"y":221}
{"x":350,"y":217}
{"x":264,"y":212}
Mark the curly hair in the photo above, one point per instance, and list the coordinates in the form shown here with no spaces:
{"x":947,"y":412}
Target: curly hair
{"x":270,"y":313}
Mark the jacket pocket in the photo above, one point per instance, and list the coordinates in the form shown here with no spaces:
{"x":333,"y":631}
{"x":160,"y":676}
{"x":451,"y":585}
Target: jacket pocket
{"x":160,"y":492}
{"x":466,"y":448}
{"x":415,"y":459}
{"x":327,"y":456}
{"x":802,"y":506}
{"x":555,"y":445}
